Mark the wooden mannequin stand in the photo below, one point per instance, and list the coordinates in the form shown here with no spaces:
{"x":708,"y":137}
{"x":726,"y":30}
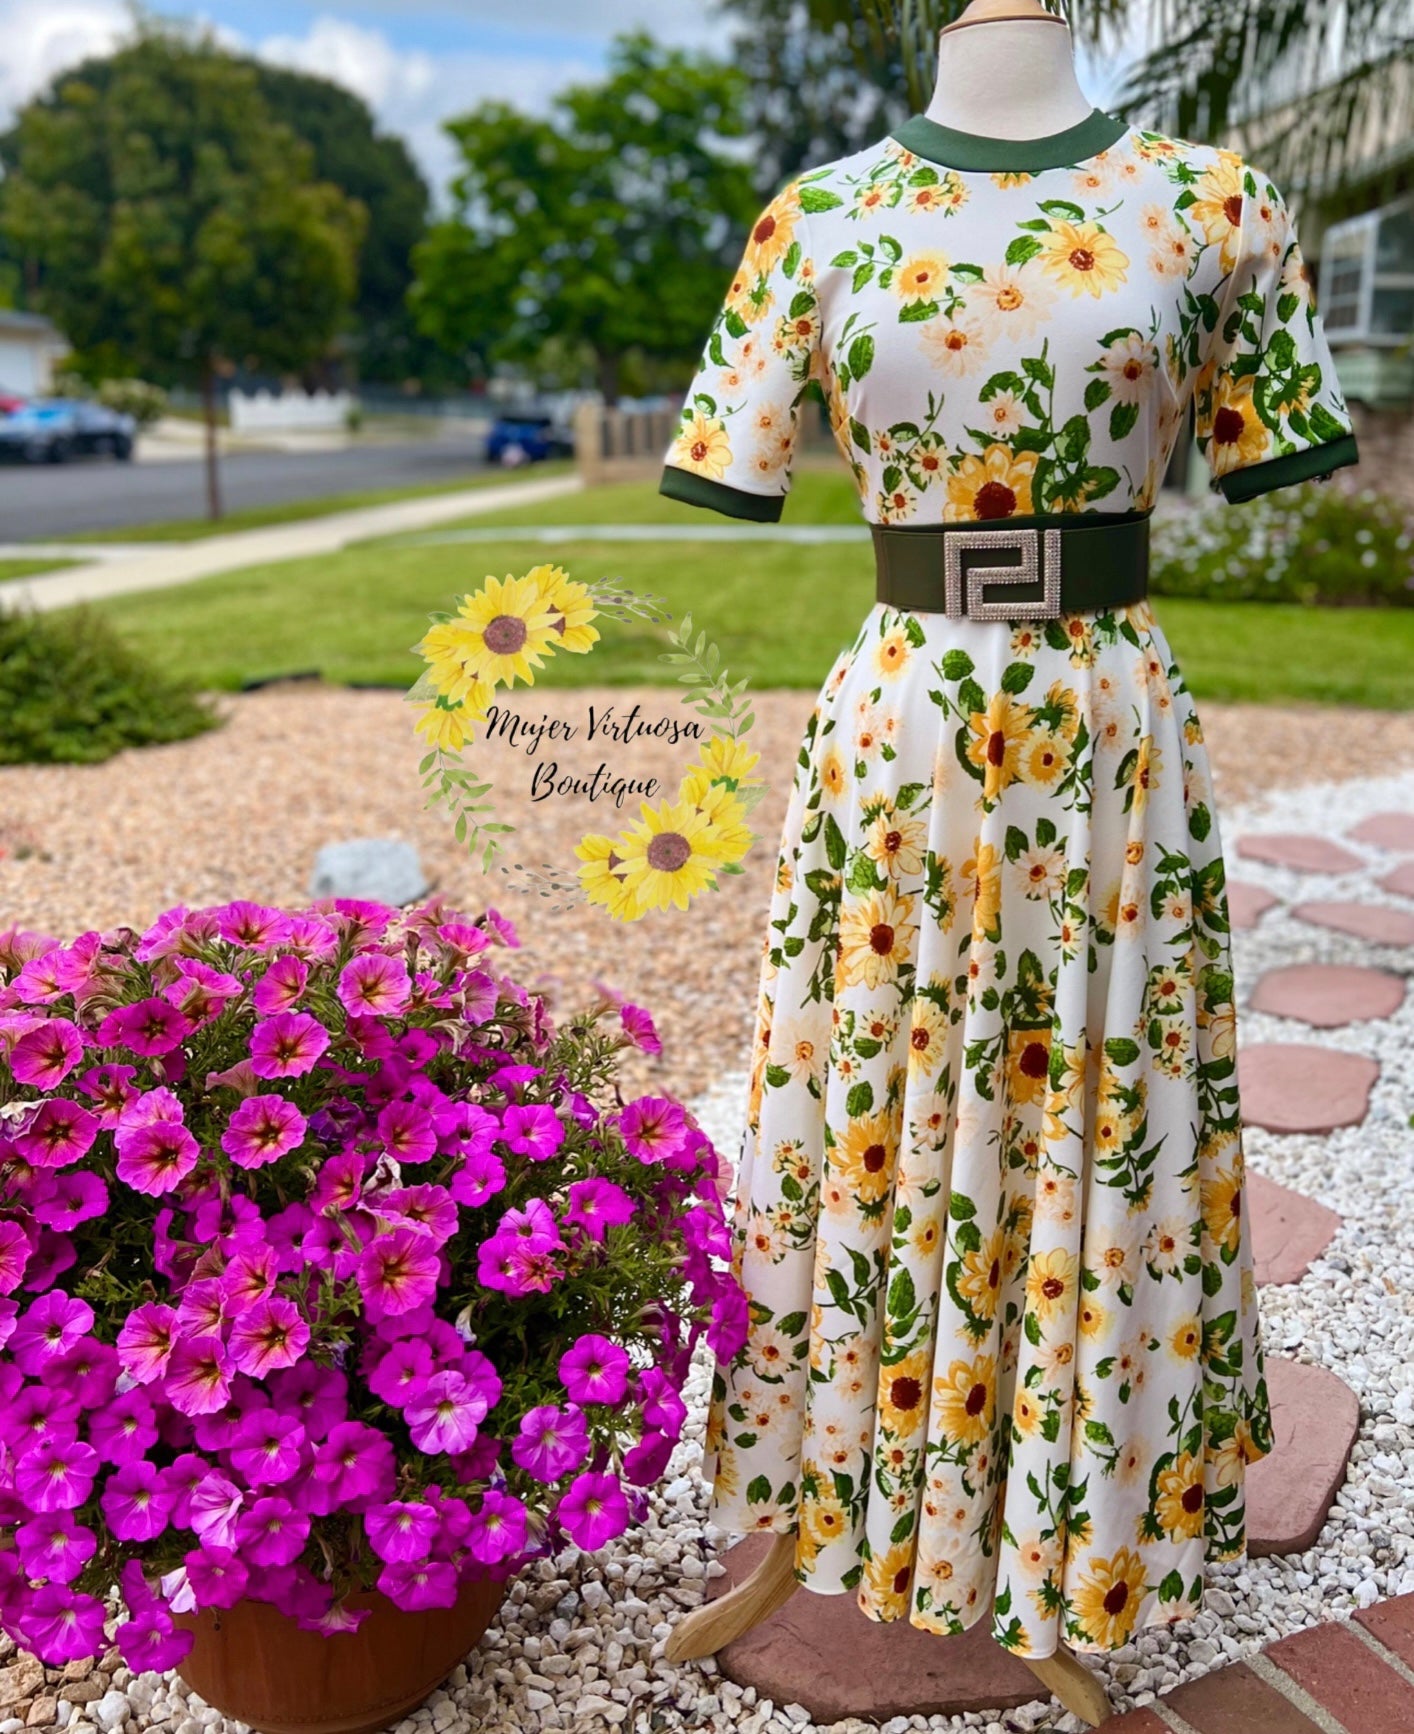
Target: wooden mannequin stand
{"x":710,"y":1628}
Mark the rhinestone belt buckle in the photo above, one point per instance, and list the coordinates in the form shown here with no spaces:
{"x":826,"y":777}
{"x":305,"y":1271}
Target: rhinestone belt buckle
{"x":1039,"y":563}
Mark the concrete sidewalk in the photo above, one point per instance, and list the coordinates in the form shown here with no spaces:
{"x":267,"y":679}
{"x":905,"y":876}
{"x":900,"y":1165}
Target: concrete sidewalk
{"x":158,"y":566}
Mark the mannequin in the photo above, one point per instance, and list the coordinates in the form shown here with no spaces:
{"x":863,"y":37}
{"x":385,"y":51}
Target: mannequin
{"x":1024,"y":58}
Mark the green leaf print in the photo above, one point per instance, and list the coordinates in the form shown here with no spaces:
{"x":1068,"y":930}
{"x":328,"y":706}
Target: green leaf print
{"x":961,"y":1208}
{"x":1024,"y":247}
{"x":791,"y":263}
{"x":1073,"y":440}
{"x":903,"y":1302}
{"x":1096,"y":393}
{"x":802,"y":303}
{"x":1200,"y":822}
{"x":1038,"y":368}
{"x":918,"y":312}
{"x":1121,"y":1051}
{"x":1016,"y":843}
{"x":1062,"y":208}
{"x":1045,"y":833}
{"x":902,"y":1529}
{"x":759,"y":1490}
{"x":835,"y":846}
{"x":971,"y":696}
{"x":967,"y":273}
{"x":906,"y":797}
{"x":843,"y":261}
{"x":861,"y":356}
{"x":1171,"y":1589}
{"x":1122,"y":419}
{"x":860,"y":435}
{"x":813,"y":200}
{"x":859,"y":1100}
{"x":864,"y":875}
{"x":1018,"y":677}
{"x":957,"y":665}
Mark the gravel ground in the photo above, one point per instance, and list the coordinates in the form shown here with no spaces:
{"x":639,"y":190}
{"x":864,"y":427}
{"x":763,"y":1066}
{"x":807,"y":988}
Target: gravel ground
{"x":579,"y":1643}
{"x":241,"y":813}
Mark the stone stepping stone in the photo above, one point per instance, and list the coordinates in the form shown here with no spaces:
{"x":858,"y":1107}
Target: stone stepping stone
{"x":1387,"y":831}
{"x":1400,"y":881}
{"x":1369,"y":921}
{"x":1247,"y":904}
{"x":1299,"y":851}
{"x":1328,"y":995}
{"x":1289,"y":1230}
{"x":1315,"y":1418}
{"x":821,"y":1652}
{"x":1299,"y":1087}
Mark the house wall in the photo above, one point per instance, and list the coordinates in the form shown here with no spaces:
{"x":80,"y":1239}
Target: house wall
{"x":24,"y":365}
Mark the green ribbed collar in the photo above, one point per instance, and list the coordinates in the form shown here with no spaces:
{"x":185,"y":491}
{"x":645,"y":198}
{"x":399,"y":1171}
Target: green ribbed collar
{"x":951,"y":149}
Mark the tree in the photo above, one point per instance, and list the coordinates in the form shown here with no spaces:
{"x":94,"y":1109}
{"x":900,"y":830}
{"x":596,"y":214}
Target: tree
{"x":611,"y":223}
{"x":173,"y":227}
{"x":1318,"y":92}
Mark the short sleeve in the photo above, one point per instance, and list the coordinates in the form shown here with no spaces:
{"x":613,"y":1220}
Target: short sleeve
{"x":736,"y":442}
{"x":1268,"y":407}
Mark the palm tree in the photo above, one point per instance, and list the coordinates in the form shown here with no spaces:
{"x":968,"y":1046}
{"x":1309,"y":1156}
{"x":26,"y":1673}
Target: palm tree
{"x":1319,"y":92}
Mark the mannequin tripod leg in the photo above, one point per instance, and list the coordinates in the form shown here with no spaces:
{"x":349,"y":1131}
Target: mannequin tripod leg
{"x":711,"y":1627}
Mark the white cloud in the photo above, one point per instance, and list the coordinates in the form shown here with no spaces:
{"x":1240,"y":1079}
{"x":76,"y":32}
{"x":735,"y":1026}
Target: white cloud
{"x":41,"y":37}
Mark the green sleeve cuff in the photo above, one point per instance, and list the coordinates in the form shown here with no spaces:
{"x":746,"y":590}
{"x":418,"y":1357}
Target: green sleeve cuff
{"x":1287,"y":471}
{"x":695,"y":490}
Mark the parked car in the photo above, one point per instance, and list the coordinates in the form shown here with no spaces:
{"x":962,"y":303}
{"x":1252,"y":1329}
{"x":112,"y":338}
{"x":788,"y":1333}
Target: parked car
{"x":10,"y":402}
{"x":527,"y":439}
{"x":52,"y":430}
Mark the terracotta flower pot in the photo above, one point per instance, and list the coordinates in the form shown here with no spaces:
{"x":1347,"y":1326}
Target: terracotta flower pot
{"x":256,"y":1666}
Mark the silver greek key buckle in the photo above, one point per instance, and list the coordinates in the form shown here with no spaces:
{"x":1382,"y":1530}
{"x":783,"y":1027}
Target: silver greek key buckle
{"x":1039,"y":563}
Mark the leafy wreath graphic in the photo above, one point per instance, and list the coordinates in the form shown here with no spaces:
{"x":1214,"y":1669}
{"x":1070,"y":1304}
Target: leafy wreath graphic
{"x":503,"y":633}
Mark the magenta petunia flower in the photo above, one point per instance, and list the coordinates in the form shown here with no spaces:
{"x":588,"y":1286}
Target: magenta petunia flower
{"x":597,"y":1205}
{"x":375,"y":985}
{"x":14,"y":1256}
{"x":263,"y":1129}
{"x":279,"y":989}
{"x":730,"y":1323}
{"x":318,"y":1397}
{"x":57,"y":1472}
{"x":60,"y":1133}
{"x":407,"y":1132}
{"x":49,"y":1328}
{"x":124,"y":1428}
{"x":145,"y":1341}
{"x":63,"y":1201}
{"x":593,"y":1511}
{"x":272,"y":1532}
{"x":663,"y":1406}
{"x":154,"y":1158}
{"x":213,"y":1510}
{"x":354,"y":1465}
{"x":152,"y":1642}
{"x":309,"y":937}
{"x":595,"y":1370}
{"x":111,"y":1089}
{"x":413,"y":1585}
{"x":252,"y":925}
{"x":639,"y":1028}
{"x":533,"y":1129}
{"x":269,"y":1336}
{"x":481,"y":1175}
{"x":89,"y":1370}
{"x":430,"y":1208}
{"x":445,"y":1413}
{"x":644,"y":1463}
{"x":149,"y":1027}
{"x":197,"y":1379}
{"x":60,"y":1625}
{"x":288,"y":1045}
{"x":33,"y":1411}
{"x":400,"y":1371}
{"x":552,"y":1441}
{"x":397,"y":1272}
{"x":401,"y":1530}
{"x":267,"y":1448}
{"x":249,"y":1277}
{"x":499,"y":1528}
{"x":137,"y":1502}
{"x":653,"y":1127}
{"x":217,"y":1579}
{"x":201,"y":993}
{"x":55,"y":1547}
{"x":43,"y":1057}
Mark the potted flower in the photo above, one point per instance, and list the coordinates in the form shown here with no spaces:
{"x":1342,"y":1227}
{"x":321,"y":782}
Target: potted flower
{"x":337,"y":1281}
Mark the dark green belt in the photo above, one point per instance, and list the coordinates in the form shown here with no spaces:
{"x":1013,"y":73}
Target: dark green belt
{"x":1020,"y":569}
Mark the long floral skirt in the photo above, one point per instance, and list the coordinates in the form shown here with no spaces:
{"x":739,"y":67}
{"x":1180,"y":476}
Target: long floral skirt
{"x":1003,"y":1357}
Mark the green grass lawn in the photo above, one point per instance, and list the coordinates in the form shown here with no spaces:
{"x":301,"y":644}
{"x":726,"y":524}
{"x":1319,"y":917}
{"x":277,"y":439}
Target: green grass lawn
{"x":778,"y":612}
{"x":293,"y":511}
{"x":27,"y":568}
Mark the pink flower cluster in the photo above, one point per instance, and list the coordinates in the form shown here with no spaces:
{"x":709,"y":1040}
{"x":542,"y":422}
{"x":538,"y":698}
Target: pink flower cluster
{"x":327,"y":1262}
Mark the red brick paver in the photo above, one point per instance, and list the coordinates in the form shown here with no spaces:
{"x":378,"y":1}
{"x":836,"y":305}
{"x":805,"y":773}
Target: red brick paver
{"x":1237,"y":1701}
{"x":1392,"y":1624}
{"x":1348,"y":1678}
{"x":1137,"y":1722}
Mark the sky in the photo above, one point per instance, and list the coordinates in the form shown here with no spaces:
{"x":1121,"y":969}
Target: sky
{"x":416,"y":62}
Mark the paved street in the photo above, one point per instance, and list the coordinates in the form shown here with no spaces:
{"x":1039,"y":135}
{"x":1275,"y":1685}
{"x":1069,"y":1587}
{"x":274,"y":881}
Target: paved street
{"x":44,"y":502}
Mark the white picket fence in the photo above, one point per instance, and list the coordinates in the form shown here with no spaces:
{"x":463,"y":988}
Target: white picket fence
{"x":290,"y":411}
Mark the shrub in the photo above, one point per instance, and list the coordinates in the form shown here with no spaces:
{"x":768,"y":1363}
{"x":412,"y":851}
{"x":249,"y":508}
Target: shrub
{"x":1315,"y":544}
{"x":145,"y":403}
{"x":71,"y":692}
{"x":328,"y":1262}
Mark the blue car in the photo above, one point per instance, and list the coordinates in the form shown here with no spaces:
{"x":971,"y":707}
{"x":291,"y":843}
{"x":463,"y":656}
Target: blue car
{"x":55,"y":429}
{"x":526,"y":439}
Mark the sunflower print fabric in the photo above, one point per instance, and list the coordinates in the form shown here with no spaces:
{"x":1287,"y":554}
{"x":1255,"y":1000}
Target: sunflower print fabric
{"x":1003,"y":1360}
{"x":998,"y":345}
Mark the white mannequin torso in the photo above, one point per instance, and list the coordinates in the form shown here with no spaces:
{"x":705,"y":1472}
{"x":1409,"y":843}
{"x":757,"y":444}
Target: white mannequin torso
{"x":1008,"y":78}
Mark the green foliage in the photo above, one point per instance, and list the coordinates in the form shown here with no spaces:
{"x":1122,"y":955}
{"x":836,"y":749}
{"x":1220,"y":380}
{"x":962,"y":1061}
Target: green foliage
{"x":173,"y":223}
{"x":613,"y":222}
{"x":71,"y":692}
{"x":144,"y":402}
{"x":1315,"y":545}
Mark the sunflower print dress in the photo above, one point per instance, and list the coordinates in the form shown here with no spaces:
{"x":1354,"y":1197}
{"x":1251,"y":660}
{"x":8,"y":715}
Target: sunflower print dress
{"x":1003,"y":1359}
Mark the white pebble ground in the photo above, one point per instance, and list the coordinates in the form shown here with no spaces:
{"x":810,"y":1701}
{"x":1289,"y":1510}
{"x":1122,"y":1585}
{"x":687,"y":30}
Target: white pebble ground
{"x":579,"y":1642}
